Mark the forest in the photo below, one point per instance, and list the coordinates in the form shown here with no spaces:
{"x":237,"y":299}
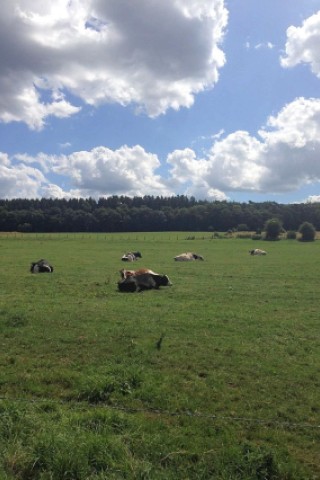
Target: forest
{"x":149,"y":214}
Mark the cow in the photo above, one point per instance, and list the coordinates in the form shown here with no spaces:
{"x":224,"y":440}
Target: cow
{"x":187,"y":257}
{"x":131,"y":256}
{"x":41,"y":266}
{"x":257,"y":251}
{"x":144,"y":281}
{"x":130,"y":273}
{"x":144,"y":271}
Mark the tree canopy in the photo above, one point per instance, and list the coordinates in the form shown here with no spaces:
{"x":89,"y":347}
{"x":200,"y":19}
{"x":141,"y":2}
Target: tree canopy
{"x":148,"y":213}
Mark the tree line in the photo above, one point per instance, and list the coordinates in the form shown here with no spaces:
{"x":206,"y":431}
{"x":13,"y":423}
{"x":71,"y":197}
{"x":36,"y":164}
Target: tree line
{"x":149,"y":213}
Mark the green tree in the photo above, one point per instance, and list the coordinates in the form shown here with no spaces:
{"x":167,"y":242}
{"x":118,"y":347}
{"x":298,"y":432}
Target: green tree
{"x":273,"y":228}
{"x":308,"y":232}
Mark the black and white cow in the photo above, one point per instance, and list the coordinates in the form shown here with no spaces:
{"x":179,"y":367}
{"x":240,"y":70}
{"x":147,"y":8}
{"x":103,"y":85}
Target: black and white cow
{"x":41,"y":266}
{"x":145,"y":281}
{"x":131,"y":256}
{"x":257,"y":251}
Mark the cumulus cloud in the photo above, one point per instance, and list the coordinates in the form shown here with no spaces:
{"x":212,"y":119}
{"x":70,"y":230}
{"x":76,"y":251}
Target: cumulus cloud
{"x":19,"y":179}
{"x":50,"y":190}
{"x":127,"y":171}
{"x":191,"y":173}
{"x":283,"y":156}
{"x":303,"y":44}
{"x":313,"y":199}
{"x":153,"y":55}
{"x":232,"y":164}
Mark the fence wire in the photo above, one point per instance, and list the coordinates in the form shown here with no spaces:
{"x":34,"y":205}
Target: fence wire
{"x":267,"y":423}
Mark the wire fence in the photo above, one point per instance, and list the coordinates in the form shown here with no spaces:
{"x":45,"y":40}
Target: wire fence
{"x":112,"y":237}
{"x":267,"y":423}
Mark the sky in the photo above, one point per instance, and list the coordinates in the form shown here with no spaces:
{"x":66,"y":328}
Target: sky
{"x":215,"y":99}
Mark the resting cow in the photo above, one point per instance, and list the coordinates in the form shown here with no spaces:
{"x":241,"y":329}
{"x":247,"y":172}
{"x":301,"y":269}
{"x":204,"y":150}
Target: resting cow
{"x":131,"y":273}
{"x":144,"y":281}
{"x":41,"y":266}
{"x":257,"y":251}
{"x":131,"y":256}
{"x":187,"y":257}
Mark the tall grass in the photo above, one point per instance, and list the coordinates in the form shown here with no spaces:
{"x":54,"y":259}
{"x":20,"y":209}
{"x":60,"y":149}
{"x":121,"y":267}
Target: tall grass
{"x":214,"y":377}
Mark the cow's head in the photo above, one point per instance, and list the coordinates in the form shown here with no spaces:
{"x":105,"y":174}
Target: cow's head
{"x":163,"y":280}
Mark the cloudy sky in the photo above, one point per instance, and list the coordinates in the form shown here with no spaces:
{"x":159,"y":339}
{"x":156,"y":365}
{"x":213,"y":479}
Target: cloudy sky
{"x":219,"y":99}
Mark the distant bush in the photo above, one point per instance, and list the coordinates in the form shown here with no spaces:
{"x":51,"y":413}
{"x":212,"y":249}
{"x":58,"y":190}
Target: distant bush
{"x":308,"y":232}
{"x":273,"y":228}
{"x":291,"y":235}
{"x":256,"y":236}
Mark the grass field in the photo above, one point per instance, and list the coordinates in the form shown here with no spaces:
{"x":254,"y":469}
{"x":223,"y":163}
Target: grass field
{"x":216,"y":377}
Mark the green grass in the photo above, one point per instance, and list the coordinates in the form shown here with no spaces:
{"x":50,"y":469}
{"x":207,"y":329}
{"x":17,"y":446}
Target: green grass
{"x":87,"y":392}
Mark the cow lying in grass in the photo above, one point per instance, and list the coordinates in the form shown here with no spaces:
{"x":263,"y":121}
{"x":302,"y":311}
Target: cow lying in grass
{"x":257,"y":251}
{"x":143,"y":279}
{"x":41,"y":266}
{"x":131,"y":256}
{"x":124,"y":273}
{"x":187,"y":257}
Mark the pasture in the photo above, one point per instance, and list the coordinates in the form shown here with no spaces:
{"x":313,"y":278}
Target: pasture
{"x":216,"y":377}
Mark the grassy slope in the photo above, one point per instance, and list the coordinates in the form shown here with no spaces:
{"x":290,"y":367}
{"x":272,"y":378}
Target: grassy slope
{"x":241,"y":341}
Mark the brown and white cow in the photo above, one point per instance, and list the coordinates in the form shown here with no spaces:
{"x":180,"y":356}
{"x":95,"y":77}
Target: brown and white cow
{"x":124,"y":273}
{"x":141,"y":279}
{"x":187,"y":257}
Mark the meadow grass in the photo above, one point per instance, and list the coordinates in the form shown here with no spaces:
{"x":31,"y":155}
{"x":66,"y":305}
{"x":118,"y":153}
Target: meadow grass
{"x":216,"y":377}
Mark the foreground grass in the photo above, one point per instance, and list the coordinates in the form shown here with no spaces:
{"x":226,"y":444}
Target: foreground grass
{"x":215,"y":377}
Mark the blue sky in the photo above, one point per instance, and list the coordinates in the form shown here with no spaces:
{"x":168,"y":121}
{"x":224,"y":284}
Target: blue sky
{"x":211,"y":98}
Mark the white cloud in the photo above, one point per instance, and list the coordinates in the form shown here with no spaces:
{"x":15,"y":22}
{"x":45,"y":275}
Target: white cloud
{"x":259,"y":46}
{"x":101,"y":171}
{"x":283,"y":156}
{"x":313,"y":199}
{"x":4,"y":159}
{"x":20,"y":181}
{"x":185,"y":166}
{"x":54,"y":191}
{"x":303,"y":44}
{"x":267,"y":45}
{"x":65,"y":145}
{"x":154,"y":55}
